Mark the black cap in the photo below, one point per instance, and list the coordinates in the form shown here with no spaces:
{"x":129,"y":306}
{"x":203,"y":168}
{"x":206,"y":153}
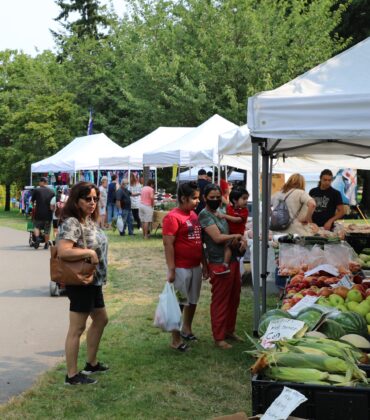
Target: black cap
{"x":202,"y":172}
{"x":210,"y":174}
{"x":43,"y":179}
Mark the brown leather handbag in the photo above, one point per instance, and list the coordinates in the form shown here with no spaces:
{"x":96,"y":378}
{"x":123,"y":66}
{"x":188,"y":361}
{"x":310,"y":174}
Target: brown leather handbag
{"x":71,"y":273}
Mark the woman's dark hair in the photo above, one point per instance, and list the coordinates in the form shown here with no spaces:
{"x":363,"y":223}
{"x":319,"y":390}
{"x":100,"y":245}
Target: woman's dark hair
{"x":325,"y":172}
{"x":150,"y":183}
{"x":79,"y":190}
{"x":186,"y":190}
{"x":236,"y":193}
{"x":211,"y":187}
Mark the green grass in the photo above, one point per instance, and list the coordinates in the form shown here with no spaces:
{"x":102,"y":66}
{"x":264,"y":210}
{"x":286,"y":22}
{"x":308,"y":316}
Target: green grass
{"x":147,"y":380}
{"x":13,"y":219}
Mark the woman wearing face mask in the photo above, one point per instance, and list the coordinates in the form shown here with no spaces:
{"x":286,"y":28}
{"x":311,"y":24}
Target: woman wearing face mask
{"x":183,"y":251}
{"x":226,"y":287}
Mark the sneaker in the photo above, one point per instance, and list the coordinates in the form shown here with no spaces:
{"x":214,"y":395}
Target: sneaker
{"x":79,"y":379}
{"x":98,"y":368}
{"x":222,"y":269}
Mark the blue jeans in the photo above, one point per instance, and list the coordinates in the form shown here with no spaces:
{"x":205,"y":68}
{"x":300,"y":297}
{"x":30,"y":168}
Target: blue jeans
{"x":112,"y":212}
{"x":127,"y":221}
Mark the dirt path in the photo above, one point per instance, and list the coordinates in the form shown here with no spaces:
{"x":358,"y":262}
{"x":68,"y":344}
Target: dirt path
{"x":33,"y":325}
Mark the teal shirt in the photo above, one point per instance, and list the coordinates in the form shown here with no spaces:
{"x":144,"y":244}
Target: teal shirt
{"x":215,"y":252}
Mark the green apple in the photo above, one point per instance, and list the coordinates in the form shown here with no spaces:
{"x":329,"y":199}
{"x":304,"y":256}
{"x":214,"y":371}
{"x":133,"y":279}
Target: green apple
{"x":323,"y":301}
{"x":362,"y":308}
{"x":342,"y":307}
{"x":354,"y":295}
{"x":335,"y":300}
{"x":352,"y":305}
{"x":368,"y":317}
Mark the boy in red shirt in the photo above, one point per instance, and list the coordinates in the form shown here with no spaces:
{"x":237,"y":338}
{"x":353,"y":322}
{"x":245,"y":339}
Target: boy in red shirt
{"x":236,"y":217}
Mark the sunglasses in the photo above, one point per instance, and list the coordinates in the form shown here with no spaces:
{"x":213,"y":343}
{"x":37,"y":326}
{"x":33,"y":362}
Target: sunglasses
{"x":90,"y":199}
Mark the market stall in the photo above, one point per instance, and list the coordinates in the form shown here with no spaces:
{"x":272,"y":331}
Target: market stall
{"x":324,"y":111}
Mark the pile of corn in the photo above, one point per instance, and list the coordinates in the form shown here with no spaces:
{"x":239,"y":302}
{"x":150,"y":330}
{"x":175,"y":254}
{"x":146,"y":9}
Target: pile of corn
{"x":311,"y":360}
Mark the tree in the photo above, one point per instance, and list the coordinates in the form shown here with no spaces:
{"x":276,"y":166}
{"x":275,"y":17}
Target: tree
{"x":91,"y":22}
{"x":186,"y":60}
{"x":38,"y":115}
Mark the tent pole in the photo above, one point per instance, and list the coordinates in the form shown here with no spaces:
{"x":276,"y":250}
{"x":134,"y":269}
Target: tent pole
{"x":264,"y":227}
{"x":213,"y":174}
{"x":256,"y":234}
{"x":226,"y":177}
{"x":156,"y":179}
{"x":31,"y":177}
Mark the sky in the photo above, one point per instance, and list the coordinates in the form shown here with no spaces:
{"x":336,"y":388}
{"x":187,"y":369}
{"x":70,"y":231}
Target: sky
{"x":25,"y":24}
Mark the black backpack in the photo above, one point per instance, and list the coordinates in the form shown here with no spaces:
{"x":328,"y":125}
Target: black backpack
{"x":280,"y":217}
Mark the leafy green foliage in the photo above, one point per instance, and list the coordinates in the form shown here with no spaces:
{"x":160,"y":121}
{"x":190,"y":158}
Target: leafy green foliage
{"x":165,"y":63}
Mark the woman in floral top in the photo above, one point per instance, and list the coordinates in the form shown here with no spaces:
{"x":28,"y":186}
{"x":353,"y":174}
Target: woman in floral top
{"x":79,"y":225}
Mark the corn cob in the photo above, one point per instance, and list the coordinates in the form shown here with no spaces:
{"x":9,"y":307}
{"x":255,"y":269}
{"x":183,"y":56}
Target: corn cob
{"x":290,"y":374}
{"x":310,"y":361}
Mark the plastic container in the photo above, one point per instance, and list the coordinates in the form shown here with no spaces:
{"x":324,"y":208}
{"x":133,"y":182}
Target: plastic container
{"x":324,"y":402}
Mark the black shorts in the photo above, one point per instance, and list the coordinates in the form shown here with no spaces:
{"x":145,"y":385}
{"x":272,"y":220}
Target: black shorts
{"x":43,"y":225}
{"x":85,"y":298}
{"x":55,"y":223}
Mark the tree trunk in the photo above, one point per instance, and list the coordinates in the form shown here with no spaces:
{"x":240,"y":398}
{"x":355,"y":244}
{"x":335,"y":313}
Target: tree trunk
{"x":7,"y":197}
{"x":365,"y":200}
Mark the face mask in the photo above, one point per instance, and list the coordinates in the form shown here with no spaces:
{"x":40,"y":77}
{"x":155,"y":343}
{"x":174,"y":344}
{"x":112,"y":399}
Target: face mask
{"x":213,"y":204}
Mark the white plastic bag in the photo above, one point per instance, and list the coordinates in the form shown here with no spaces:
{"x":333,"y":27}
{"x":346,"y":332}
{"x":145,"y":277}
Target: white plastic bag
{"x":168,"y":313}
{"x":120,"y":223}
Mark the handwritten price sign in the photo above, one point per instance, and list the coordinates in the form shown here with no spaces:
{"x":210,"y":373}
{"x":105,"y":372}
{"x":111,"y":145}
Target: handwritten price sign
{"x":282,"y":328}
{"x":284,"y":405}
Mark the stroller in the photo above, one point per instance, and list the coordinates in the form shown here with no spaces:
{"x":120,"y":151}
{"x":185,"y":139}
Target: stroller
{"x":32,"y":239}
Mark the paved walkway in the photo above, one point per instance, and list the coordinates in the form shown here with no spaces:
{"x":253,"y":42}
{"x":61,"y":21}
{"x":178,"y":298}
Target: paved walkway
{"x":33,"y":325}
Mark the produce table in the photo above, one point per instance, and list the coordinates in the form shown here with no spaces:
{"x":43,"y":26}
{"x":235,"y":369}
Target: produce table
{"x":158,"y":216}
{"x":326,"y":356}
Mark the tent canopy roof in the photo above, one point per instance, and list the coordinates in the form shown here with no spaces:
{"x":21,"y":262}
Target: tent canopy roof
{"x":329,"y":102}
{"x":196,"y":148}
{"x":81,"y":153}
{"x":132,"y":155}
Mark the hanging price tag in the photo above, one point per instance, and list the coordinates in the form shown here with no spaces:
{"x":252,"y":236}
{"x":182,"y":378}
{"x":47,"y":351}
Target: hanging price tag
{"x":284,"y":405}
{"x":304,"y":303}
{"x":344,"y":281}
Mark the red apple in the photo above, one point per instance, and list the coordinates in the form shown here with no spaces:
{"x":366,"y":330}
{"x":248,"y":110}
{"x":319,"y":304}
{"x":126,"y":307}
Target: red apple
{"x":325,"y":291}
{"x":341,"y":291}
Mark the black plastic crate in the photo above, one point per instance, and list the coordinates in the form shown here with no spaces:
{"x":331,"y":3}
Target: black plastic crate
{"x":358,"y":241}
{"x":323,"y":402}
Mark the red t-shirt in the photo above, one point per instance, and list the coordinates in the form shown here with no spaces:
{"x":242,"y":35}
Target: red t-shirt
{"x":188,"y":242}
{"x":237,"y":227}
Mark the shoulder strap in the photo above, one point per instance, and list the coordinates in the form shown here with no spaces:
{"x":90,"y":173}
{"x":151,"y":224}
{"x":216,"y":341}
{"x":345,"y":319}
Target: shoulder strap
{"x":287,"y":195}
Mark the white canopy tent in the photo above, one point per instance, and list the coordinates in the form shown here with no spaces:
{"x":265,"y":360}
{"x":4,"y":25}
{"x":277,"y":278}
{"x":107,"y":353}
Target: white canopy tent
{"x":131,"y":156}
{"x":196,"y":148}
{"x":237,"y":142}
{"x":323,"y":112}
{"x":81,"y":153}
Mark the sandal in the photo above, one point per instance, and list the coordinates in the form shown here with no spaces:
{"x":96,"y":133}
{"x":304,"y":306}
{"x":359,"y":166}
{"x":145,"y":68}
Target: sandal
{"x":183,"y":347}
{"x":189,"y":337}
